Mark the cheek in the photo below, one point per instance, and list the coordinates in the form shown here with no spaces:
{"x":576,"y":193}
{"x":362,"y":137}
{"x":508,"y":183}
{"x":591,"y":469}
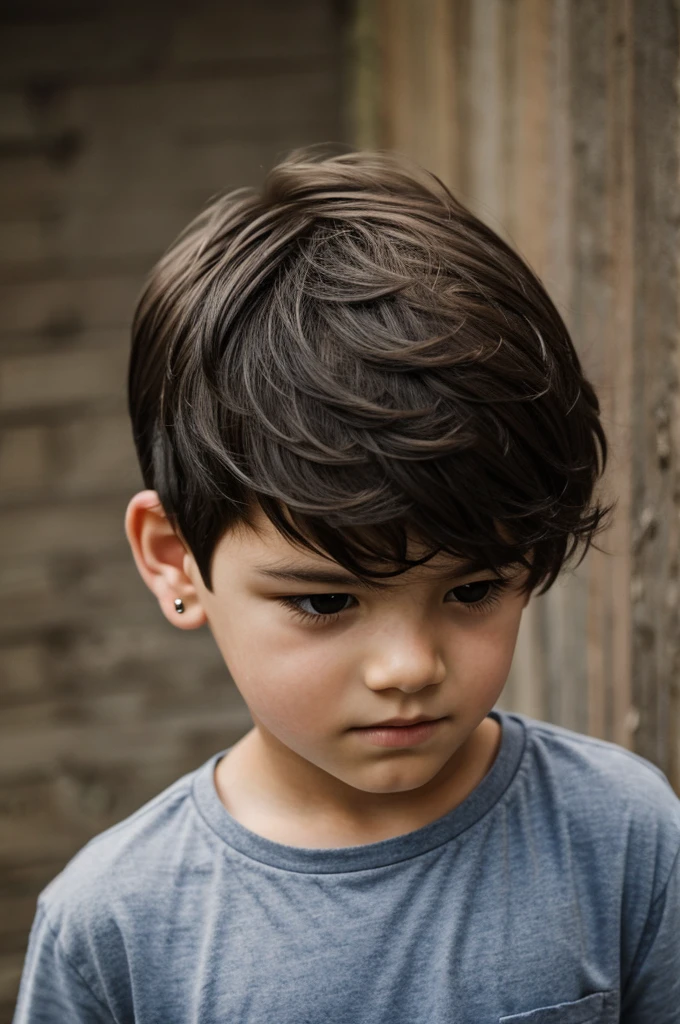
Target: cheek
{"x":482,"y":657}
{"x":287,"y":679}
{"x":297,"y":703}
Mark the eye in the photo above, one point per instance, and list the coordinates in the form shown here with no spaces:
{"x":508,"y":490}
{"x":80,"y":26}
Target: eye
{"x":473,"y":597}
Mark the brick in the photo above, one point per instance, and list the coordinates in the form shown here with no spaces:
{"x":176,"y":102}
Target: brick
{"x":101,"y":588}
{"x":115,"y":201}
{"x":67,"y":587}
{"x":22,"y":11}
{"x":209,"y":167}
{"x":26,"y":182}
{"x":22,"y":805}
{"x":92,"y":236}
{"x":54,"y":379}
{"x":16,"y":120}
{"x":112,"y":656}
{"x":132,"y":130}
{"x":89,"y":526}
{"x":91,"y":48}
{"x":67,"y":669}
{"x":127,"y":42}
{"x":87,"y":456}
{"x":23,"y":243}
{"x":15,"y":922}
{"x":61,"y":307}
{"x":26,"y":593}
{"x":117,"y":231}
{"x":251,"y":106}
{"x":22,"y":670}
{"x":257,"y":30}
{"x":40,"y":147}
{"x":97,"y":454}
{"x":11,"y":965}
{"x":20,"y":880}
{"x":24,"y":462}
{"x":158,"y":171}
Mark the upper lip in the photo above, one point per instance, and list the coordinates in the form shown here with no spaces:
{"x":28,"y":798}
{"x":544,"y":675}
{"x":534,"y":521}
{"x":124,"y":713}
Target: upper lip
{"x":401,"y":721}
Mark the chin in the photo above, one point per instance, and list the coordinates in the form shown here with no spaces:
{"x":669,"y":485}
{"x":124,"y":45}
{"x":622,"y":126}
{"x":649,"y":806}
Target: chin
{"x":401,"y":779}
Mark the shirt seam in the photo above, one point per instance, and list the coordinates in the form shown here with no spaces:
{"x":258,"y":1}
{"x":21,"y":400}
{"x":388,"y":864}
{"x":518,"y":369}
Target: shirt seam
{"x":140,"y":813}
{"x":635,"y":967}
{"x":662,"y":894}
{"x":586,"y":741}
{"x":522,"y":763}
{"x":69,"y":963}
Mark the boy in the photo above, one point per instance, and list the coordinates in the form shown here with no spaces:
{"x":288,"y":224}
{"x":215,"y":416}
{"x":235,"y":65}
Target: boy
{"x":366,"y":439}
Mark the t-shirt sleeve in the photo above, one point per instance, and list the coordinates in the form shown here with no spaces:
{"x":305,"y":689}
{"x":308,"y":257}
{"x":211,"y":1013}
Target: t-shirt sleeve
{"x":652,"y":990}
{"x":52,"y":990}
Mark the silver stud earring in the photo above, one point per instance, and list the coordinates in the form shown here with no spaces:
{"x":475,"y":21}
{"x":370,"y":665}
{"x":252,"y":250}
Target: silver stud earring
{"x":179,"y":605}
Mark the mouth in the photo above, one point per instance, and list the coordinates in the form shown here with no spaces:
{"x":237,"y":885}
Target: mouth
{"x":399,"y":722}
{"x":408,"y":735}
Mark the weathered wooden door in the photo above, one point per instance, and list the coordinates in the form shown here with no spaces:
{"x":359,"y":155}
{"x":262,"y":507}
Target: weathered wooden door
{"x":557,"y":122}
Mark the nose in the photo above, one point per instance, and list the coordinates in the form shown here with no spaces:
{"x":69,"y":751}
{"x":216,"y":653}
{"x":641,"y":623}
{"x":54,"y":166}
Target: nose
{"x":408,"y":663}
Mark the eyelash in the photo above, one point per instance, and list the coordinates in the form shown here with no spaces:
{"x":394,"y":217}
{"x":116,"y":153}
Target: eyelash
{"x":325,"y":618}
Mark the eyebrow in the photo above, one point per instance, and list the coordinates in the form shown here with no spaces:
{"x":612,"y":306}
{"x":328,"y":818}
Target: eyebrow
{"x":292,"y":573}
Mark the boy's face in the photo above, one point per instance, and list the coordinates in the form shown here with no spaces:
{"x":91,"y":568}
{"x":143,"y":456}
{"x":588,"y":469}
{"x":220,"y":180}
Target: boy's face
{"x":410,"y":650}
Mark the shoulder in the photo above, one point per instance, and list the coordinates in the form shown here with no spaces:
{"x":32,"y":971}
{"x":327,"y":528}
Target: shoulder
{"x":610,"y":798}
{"x":612,"y":770}
{"x":119,"y":873}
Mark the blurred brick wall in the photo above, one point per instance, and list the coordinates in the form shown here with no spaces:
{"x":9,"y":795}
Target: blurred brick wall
{"x":117,"y":123}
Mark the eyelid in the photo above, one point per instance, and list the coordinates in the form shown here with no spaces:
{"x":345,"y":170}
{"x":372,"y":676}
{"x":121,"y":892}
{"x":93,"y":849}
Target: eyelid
{"x":497,"y":583}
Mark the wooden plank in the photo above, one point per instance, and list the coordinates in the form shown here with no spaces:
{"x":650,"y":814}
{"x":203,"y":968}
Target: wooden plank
{"x":416,"y":88}
{"x":616,"y":398}
{"x":656,"y":456}
{"x":590,"y":300}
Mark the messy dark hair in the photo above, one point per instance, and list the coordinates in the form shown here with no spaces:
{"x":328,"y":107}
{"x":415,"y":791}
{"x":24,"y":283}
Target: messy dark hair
{"x":354,"y":353}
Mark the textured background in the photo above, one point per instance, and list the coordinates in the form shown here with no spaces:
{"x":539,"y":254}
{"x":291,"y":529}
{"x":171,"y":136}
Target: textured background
{"x":117,"y":123}
{"x":557,"y":121}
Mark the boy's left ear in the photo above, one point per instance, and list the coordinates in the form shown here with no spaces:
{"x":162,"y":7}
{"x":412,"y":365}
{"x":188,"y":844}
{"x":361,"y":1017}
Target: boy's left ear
{"x":162,"y":560}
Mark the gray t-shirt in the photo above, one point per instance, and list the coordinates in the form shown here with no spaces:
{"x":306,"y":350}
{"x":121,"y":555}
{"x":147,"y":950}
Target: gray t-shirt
{"x":551,"y":895}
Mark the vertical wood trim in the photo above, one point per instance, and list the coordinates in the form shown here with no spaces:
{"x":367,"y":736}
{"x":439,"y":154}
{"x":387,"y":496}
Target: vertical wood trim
{"x":417,"y":82}
{"x":460,"y":18}
{"x":531,"y":201}
{"x":484,"y":192}
{"x":656,"y":461}
{"x":590,"y":310}
{"x":364,"y":76}
{"x":558,"y":273}
{"x":673,"y":453}
{"x":617,"y":397}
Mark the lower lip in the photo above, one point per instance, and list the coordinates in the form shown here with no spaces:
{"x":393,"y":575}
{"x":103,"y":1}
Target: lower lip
{"x":400,"y":735}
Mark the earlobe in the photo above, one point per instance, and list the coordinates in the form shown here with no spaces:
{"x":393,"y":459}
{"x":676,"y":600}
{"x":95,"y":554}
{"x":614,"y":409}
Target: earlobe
{"x":160,"y":557}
